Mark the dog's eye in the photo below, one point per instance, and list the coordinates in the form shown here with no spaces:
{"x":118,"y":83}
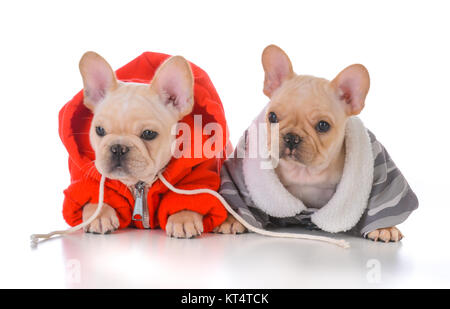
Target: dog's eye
{"x":100,"y":131}
{"x":148,"y":135}
{"x":322,"y":126}
{"x":273,"y":117}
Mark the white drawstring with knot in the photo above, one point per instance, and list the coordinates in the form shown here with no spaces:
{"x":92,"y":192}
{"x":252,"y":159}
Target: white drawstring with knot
{"x":339,"y":242}
{"x":36,"y":237}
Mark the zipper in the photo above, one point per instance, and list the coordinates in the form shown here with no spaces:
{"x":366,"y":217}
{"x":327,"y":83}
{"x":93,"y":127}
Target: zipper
{"x":140,"y":212}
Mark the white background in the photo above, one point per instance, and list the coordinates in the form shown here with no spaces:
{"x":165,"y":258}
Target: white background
{"x":404,"y":45}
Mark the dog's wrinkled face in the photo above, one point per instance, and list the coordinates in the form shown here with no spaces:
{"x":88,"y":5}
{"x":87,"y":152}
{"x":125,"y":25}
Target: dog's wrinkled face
{"x":131,"y":131}
{"x":310,"y":121}
{"x":311,"y":112}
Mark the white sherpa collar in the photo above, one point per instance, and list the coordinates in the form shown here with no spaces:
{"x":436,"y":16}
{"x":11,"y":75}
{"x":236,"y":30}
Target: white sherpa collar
{"x":346,"y":206}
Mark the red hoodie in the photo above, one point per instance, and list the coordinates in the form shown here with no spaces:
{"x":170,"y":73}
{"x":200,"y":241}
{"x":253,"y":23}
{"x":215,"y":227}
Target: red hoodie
{"x":184,"y":173}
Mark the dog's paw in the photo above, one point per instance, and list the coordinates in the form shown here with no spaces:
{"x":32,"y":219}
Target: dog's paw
{"x":184,"y":224}
{"x":106,"y":222}
{"x":386,"y":234}
{"x":230,"y":226}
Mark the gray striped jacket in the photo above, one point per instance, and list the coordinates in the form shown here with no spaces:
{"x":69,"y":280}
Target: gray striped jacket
{"x":372,"y":192}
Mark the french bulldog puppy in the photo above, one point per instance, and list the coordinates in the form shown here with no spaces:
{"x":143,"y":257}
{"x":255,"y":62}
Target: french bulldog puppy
{"x":312,"y":114}
{"x":131,"y":131}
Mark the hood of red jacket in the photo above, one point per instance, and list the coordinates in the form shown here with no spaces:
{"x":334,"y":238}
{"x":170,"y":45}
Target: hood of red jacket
{"x":75,"y":120}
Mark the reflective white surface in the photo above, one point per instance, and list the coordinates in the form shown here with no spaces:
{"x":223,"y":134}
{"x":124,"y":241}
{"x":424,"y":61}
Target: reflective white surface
{"x":133,"y":258}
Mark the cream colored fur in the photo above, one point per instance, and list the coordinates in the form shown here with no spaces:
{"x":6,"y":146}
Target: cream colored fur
{"x":125,"y":111}
{"x":312,"y":171}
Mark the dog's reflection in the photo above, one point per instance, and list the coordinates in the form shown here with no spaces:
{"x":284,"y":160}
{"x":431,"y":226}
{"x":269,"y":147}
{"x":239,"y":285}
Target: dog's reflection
{"x":148,"y":258}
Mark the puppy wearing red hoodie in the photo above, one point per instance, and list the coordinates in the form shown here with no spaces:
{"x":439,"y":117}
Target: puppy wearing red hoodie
{"x":131,"y":135}
{"x":327,"y":170}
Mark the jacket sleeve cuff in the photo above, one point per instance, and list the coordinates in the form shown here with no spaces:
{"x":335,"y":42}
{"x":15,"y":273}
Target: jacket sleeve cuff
{"x":78,"y":195}
{"x":205,"y":204}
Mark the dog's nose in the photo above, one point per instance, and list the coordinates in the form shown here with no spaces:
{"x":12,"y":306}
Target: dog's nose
{"x":119,"y":150}
{"x":291,"y":140}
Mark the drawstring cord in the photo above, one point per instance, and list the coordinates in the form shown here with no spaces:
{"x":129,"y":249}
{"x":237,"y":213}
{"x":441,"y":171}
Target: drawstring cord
{"x":36,"y":237}
{"x":339,"y":242}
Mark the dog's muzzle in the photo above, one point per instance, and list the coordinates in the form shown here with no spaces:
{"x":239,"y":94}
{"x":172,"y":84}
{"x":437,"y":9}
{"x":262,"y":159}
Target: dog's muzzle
{"x":118,"y":153}
{"x":292,"y":140}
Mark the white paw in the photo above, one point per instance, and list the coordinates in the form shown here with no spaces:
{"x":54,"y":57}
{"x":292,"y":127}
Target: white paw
{"x":106,"y":222}
{"x":230,"y":226}
{"x":386,"y":234}
{"x":184,"y":224}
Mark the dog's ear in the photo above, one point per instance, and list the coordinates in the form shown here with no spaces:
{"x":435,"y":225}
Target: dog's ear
{"x":174,"y":83}
{"x":277,"y":68}
{"x":98,"y":78}
{"x":352,"y":85}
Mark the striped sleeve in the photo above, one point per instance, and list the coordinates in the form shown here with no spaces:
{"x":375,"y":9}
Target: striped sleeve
{"x":391,"y":200}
